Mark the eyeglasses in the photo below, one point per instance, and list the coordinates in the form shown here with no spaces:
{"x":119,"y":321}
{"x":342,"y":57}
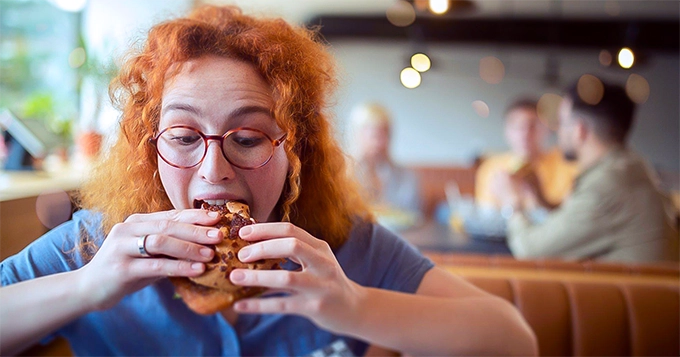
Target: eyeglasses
{"x":184,"y":147}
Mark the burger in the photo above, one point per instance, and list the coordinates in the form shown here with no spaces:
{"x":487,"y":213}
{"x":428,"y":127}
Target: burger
{"x":212,"y":291}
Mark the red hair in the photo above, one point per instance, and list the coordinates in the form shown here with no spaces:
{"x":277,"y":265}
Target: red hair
{"x":319,"y":195}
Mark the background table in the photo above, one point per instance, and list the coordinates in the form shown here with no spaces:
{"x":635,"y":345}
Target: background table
{"x":433,"y":236}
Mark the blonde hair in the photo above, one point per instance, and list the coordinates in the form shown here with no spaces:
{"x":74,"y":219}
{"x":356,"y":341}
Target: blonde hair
{"x":370,"y":113}
{"x":318,"y":195}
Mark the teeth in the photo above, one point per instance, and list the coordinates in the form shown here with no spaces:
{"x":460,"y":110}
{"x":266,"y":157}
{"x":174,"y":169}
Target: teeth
{"x":215,"y":202}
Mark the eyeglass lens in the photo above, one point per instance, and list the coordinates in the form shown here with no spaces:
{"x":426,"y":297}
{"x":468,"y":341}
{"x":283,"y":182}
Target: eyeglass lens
{"x":186,"y":147}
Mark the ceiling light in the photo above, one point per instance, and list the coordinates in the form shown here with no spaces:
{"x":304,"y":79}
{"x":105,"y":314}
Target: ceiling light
{"x":626,"y":58}
{"x":438,"y":7}
{"x":410,"y":78}
{"x":420,"y":62}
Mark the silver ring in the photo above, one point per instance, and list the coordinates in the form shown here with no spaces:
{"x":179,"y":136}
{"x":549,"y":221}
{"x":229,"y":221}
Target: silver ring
{"x":141,"y":245}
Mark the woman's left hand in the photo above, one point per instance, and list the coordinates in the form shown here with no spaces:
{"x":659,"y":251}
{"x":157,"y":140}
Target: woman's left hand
{"x":319,"y":291}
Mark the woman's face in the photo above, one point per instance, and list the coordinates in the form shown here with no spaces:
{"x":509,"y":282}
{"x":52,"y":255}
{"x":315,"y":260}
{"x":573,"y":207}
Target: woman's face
{"x":215,"y":95}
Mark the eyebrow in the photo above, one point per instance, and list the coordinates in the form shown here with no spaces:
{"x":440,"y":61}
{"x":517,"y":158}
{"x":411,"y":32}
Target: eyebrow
{"x":250,"y":109}
{"x":238,"y":112}
{"x":183,"y":107}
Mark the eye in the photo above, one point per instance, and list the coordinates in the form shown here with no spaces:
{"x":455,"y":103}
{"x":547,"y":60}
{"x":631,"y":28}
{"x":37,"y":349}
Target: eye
{"x":185,"y":139}
{"x":181,"y":137}
{"x":247,"y":138}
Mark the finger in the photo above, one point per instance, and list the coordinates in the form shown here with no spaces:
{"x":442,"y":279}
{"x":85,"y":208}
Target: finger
{"x":194,"y":216}
{"x":274,"y":279}
{"x":292,"y":248}
{"x":181,"y":230}
{"x":264,"y":231}
{"x":156,"y":244}
{"x":272,"y":305}
{"x":162,"y":267}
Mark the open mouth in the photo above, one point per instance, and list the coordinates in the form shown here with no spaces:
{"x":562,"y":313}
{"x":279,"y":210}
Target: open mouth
{"x":199,"y":203}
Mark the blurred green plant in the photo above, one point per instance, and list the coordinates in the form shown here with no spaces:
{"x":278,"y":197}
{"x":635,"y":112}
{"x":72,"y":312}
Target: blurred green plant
{"x":42,"y":106}
{"x":35,"y":79}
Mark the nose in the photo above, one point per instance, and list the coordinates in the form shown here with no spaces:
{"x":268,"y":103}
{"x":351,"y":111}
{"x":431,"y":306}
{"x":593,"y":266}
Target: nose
{"x":215,"y":168}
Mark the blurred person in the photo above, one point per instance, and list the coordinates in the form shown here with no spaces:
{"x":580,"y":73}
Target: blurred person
{"x":616,"y":211}
{"x":526,"y":135}
{"x":3,"y":148}
{"x":388,"y":185}
{"x":223,"y":106}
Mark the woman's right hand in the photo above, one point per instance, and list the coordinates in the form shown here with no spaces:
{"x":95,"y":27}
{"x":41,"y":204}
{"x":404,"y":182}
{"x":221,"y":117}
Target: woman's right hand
{"x":175,"y":240}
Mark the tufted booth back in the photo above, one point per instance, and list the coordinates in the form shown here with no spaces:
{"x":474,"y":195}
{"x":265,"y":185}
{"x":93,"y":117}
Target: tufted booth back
{"x":667,"y":269}
{"x":590,"y":314}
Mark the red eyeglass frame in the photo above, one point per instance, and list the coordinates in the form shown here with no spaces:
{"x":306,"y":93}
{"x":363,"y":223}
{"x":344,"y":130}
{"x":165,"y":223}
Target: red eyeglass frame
{"x":220,"y":138}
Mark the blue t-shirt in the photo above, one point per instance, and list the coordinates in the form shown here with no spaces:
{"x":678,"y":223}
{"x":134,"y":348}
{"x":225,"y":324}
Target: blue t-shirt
{"x":152,"y":322}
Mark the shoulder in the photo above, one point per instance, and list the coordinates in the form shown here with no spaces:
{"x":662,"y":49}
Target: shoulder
{"x":619,"y":171}
{"x":553,"y":160}
{"x":375,"y":256}
{"x":54,"y":252}
{"x":552,"y":154}
{"x":495,"y":162}
{"x":370,"y":235}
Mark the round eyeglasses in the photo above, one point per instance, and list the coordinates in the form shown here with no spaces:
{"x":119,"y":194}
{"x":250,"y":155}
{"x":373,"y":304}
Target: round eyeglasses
{"x":184,"y":147}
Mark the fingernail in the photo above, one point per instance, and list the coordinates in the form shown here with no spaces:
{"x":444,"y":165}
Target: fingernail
{"x":213,"y":233}
{"x":206,"y":252}
{"x":237,"y":276}
{"x":213,"y":214}
{"x":245,"y":231}
{"x":243,"y":254}
{"x":197,"y":266}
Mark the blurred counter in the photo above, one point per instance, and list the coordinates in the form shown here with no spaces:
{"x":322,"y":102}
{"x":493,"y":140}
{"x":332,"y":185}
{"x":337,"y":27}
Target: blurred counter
{"x":32,"y":202}
{"x":22,"y":184}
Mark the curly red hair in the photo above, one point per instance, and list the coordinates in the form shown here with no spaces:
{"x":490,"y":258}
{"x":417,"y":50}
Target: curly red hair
{"x":319,"y":195}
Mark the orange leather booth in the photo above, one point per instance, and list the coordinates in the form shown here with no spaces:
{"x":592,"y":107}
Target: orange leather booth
{"x":667,"y":269}
{"x":586,"y":309}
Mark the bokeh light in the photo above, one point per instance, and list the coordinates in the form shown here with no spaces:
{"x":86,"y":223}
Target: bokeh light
{"x":547,"y":109}
{"x":53,"y":208}
{"x":410,"y":78}
{"x":626,"y":58}
{"x":612,"y":8}
{"x":605,"y":58}
{"x":637,"y":88}
{"x":491,"y":69}
{"x":439,"y":7}
{"x":420,"y":62}
{"x":590,"y":89}
{"x":77,"y":57}
{"x":401,"y":14}
{"x":481,"y":108}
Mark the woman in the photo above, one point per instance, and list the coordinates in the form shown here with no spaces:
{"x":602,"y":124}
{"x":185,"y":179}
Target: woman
{"x":217,"y":71}
{"x":388,"y":186}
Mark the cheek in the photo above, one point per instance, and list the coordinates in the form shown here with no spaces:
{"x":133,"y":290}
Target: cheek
{"x":266,"y":187}
{"x":174,"y":182}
